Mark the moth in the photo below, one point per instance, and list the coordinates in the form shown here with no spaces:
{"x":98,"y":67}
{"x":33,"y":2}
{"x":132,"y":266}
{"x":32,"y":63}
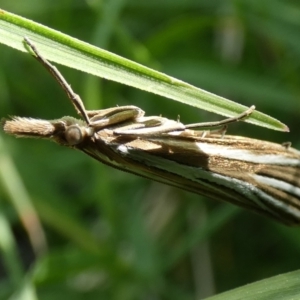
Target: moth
{"x":261,"y":176}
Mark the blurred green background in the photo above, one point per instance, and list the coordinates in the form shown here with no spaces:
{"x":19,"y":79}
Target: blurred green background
{"x":71,"y":228}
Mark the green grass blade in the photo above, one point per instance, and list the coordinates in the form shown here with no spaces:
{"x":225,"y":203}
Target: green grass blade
{"x":9,"y":252}
{"x":26,"y":291}
{"x":13,"y":185}
{"x":283,"y":287}
{"x":73,"y":53}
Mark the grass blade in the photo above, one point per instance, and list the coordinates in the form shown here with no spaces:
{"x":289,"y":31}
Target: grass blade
{"x":71,"y":52}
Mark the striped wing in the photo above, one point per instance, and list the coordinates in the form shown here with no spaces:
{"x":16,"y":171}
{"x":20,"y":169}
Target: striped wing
{"x":258,"y":175}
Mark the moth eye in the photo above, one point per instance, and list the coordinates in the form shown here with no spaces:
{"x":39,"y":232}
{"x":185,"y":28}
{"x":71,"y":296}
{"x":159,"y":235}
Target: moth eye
{"x":74,"y":135}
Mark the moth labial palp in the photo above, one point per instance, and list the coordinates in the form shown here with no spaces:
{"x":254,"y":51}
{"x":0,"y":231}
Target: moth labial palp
{"x":261,"y":176}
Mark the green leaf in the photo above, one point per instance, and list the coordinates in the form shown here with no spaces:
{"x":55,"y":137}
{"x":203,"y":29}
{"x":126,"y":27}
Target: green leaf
{"x":71,"y":52}
{"x":283,"y":287}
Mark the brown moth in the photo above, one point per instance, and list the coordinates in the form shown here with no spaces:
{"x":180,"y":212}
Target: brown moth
{"x":261,"y":176}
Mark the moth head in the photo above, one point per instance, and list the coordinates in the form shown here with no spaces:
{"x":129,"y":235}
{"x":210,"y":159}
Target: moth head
{"x":70,"y":131}
{"x":66,"y":131}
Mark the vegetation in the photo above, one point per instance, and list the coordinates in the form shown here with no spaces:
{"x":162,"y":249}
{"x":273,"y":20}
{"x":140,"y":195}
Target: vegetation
{"x":73,"y":228}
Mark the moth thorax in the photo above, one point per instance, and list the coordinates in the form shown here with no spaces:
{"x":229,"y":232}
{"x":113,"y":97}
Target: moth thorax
{"x":74,"y":134}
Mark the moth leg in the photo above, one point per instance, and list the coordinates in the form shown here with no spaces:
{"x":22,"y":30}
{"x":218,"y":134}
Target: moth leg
{"x":152,"y":126}
{"x":116,"y":115}
{"x":75,"y":99}
{"x":227,"y":121}
{"x":221,"y":131}
{"x":107,"y":112}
